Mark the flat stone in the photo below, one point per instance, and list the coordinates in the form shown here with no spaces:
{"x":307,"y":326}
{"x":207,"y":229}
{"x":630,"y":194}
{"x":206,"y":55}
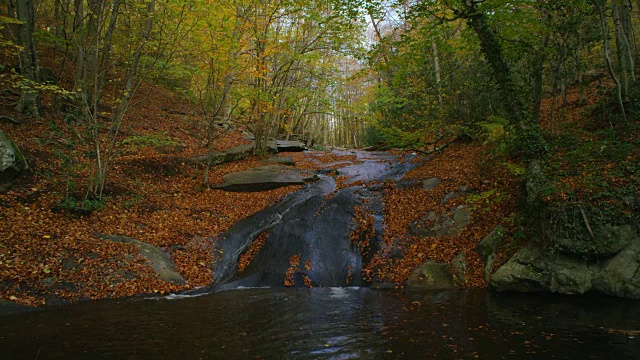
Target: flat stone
{"x":264,"y":178}
{"x":233,"y":154}
{"x":283,"y":160}
{"x":160,"y":261}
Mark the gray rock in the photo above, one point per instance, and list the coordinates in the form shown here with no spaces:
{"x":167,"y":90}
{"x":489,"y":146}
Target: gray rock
{"x":289,"y":146}
{"x":487,"y":249}
{"x":283,"y":160}
{"x":12,"y":161}
{"x":536,"y":269}
{"x":522,"y":273}
{"x":489,"y":245}
{"x":265,"y":178}
{"x":429,"y":184}
{"x":610,"y":240}
{"x":448,"y":224}
{"x":233,"y":154}
{"x":431,"y":276}
{"x":620,"y":276}
{"x":160,"y":261}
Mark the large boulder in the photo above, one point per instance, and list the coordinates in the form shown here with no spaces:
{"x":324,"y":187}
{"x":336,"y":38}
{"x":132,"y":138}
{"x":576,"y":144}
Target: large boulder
{"x":265,"y":178}
{"x":538,"y":269}
{"x":160,"y":261}
{"x":12,"y":161}
{"x":620,"y":276}
{"x":535,"y":269}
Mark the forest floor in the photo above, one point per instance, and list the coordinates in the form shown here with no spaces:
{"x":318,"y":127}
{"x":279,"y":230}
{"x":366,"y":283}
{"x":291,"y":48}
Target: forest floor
{"x":155,"y":195}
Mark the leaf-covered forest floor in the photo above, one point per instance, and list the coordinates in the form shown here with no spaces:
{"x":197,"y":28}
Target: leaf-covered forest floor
{"x":155,"y":195}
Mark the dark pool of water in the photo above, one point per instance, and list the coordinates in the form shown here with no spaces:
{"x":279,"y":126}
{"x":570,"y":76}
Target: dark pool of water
{"x":329,"y":323}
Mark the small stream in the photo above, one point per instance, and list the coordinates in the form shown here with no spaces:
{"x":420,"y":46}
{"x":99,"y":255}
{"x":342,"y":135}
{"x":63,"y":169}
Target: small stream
{"x":250,"y":315}
{"x":313,"y":225}
{"x":329,"y":323}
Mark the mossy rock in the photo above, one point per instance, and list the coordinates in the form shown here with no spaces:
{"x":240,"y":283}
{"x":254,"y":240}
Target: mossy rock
{"x":12,"y":161}
{"x":607,"y":241}
{"x":593,"y":231}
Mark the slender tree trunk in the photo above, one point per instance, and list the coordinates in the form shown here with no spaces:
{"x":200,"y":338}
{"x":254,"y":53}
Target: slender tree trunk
{"x":528,"y":130}
{"x":105,"y":59}
{"x":436,"y":66}
{"x":104,"y":157}
{"x":607,"y":59}
{"x":538,"y":67}
{"x":29,"y":102}
{"x":621,"y":46}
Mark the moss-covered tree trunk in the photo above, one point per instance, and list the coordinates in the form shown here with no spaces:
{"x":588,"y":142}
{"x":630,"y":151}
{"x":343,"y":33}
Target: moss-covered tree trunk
{"x":519,"y":115}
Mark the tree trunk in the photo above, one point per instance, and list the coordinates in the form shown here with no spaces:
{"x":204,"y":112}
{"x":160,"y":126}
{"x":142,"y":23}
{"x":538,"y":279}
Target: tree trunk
{"x":103,"y":157}
{"x":29,"y":102}
{"x":436,"y":66}
{"x":607,"y":59}
{"x":527,"y":129}
{"x":624,"y":67}
{"x":538,"y":68}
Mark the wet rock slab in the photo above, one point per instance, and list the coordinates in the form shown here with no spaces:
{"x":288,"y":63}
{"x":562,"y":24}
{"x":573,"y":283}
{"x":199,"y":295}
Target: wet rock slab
{"x":264,"y":178}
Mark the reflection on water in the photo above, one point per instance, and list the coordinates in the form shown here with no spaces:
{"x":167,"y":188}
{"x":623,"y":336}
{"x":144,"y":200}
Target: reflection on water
{"x":329,"y":323}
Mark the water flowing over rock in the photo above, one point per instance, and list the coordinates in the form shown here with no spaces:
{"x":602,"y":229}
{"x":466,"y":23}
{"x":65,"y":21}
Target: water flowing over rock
{"x":308,"y":236}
